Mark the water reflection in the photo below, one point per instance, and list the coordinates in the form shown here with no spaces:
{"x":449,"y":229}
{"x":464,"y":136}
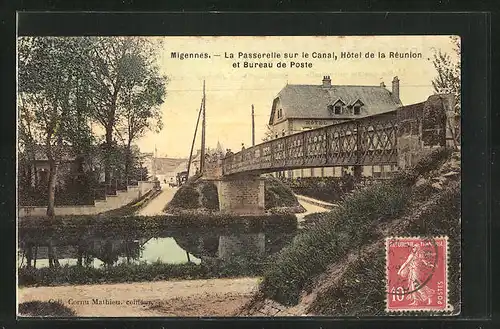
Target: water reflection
{"x":173,"y":246}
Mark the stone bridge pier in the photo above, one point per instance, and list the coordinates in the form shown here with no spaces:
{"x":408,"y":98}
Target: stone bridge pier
{"x":241,"y":194}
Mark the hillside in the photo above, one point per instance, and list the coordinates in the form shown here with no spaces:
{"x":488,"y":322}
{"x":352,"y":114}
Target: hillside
{"x":337,"y":266}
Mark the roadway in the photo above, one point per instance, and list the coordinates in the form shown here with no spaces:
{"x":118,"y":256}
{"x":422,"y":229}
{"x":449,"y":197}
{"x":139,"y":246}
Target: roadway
{"x":155,"y":206}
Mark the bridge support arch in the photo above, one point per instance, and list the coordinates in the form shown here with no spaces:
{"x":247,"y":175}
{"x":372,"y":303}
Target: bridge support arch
{"x":241,"y":194}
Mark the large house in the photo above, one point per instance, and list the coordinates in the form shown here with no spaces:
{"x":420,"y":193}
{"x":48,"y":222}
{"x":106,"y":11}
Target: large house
{"x":301,"y":107}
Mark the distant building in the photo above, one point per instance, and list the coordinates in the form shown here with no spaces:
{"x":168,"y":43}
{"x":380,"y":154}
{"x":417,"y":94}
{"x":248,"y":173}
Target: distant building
{"x":302,"y":107}
{"x":165,"y":168}
{"x":35,"y":170}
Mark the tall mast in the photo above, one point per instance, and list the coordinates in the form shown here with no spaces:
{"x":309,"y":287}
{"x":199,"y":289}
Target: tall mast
{"x":203,"y":128}
{"x":253,"y":127}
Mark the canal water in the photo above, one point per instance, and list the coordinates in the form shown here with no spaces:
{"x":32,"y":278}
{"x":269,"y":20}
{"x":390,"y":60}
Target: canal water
{"x":95,"y":247}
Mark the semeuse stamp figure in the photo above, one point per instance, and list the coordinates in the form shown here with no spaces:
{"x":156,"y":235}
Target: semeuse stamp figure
{"x":417,"y":274}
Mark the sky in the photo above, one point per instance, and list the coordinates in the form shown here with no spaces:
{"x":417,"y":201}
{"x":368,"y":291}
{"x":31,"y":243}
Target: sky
{"x":231,"y":91}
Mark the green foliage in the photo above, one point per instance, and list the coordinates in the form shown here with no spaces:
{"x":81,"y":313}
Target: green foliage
{"x":277,"y":194}
{"x":39,"y":308}
{"x":67,"y":83}
{"x":347,"y":229}
{"x":448,"y":79}
{"x":209,"y":195}
{"x":52,"y":93}
{"x":361,"y":290}
{"x":330,"y":240}
{"x":136,"y":273}
{"x":428,"y":163}
{"x":142,"y":225}
{"x":187,"y":197}
{"x":199,"y":194}
{"x":329,"y":189}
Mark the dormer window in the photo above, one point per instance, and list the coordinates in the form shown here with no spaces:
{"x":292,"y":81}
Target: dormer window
{"x":356,"y":106}
{"x":337,"y":107}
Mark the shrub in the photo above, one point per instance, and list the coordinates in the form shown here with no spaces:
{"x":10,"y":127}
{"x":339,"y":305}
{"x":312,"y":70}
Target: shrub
{"x":138,"y":272}
{"x":277,"y":194}
{"x":39,"y":308}
{"x":187,"y":197}
{"x":329,"y":189}
{"x":430,"y":162}
{"x":209,"y":195}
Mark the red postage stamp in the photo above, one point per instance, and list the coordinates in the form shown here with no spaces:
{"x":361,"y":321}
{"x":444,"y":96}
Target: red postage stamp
{"x":417,"y":274}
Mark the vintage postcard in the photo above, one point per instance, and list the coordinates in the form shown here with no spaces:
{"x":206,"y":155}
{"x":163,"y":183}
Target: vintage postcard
{"x":239,"y":176}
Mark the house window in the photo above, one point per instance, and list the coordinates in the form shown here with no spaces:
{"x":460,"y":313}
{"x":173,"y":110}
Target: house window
{"x":357,"y":109}
{"x":280,"y":113}
{"x":338,"y":109}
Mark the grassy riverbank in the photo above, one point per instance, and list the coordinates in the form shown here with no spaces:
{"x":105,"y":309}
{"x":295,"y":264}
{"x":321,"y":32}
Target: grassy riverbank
{"x":139,"y":223}
{"x":339,"y":261}
{"x":139,"y":272}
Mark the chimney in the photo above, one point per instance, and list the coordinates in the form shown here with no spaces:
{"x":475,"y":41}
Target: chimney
{"x":327,"y":82}
{"x":382,"y":84}
{"x":395,"y":87}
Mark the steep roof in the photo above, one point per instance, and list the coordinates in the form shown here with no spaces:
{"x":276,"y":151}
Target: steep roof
{"x":311,"y":101}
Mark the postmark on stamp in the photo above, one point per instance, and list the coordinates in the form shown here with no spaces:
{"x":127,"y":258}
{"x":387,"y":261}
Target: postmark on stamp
{"x":417,"y":274}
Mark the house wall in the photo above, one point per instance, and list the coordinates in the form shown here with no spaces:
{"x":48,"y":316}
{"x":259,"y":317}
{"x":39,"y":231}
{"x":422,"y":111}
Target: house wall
{"x":279,"y":128}
{"x":299,"y":125}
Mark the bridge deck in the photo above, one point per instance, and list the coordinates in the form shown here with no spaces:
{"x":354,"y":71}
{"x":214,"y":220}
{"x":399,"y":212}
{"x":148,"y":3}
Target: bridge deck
{"x":370,"y":140}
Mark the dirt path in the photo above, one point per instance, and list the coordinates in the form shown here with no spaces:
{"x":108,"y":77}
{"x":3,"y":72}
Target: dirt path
{"x":310,"y":209}
{"x":155,"y":206}
{"x":214,"y":297}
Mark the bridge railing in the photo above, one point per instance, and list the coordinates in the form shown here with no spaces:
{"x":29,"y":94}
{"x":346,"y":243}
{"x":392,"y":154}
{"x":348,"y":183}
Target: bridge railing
{"x":371,"y":140}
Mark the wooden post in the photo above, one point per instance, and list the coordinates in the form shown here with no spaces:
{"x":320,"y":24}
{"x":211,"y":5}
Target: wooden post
{"x":203,"y":127}
{"x":253,"y":127}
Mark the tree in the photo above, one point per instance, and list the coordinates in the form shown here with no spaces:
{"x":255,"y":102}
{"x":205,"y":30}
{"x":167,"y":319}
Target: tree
{"x":448,"y":72}
{"x":448,"y":81}
{"x":52,"y":94}
{"x":143,"y":94}
{"x":122,"y":73}
{"x":269,"y":134}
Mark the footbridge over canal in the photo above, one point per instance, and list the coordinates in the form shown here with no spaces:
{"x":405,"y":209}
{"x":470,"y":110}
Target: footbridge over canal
{"x":399,"y":137}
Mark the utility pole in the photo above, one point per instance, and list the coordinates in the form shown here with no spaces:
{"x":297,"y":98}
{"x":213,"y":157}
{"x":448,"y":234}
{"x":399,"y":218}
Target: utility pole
{"x":194,"y":139}
{"x":253,"y":127}
{"x":154,"y":163}
{"x":203,"y":128}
